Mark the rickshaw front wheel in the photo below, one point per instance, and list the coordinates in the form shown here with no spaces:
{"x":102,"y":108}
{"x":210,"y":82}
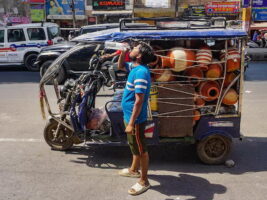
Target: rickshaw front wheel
{"x":64,"y":139}
{"x":214,"y":149}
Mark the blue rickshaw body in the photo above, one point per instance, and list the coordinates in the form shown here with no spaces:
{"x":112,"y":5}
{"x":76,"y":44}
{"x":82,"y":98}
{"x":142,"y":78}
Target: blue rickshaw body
{"x":207,"y":125}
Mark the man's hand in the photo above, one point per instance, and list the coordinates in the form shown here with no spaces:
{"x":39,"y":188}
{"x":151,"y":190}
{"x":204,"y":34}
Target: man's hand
{"x":129,"y":129}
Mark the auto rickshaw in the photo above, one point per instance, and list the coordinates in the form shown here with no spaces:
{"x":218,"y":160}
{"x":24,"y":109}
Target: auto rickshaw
{"x":196,"y":93}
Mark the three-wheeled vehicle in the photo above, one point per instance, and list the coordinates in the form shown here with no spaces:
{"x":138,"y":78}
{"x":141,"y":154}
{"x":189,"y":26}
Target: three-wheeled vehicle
{"x":196,"y":93}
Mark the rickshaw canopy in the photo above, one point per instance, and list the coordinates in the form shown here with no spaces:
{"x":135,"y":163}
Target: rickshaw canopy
{"x":114,"y":35}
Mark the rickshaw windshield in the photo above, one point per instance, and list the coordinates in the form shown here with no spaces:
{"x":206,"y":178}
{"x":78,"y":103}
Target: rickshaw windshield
{"x":53,"y":70}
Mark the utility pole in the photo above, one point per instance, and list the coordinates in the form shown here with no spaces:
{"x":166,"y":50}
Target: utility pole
{"x":176,"y":8}
{"x":73,"y":14}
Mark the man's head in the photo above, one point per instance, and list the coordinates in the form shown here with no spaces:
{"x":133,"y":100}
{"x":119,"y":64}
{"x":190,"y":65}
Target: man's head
{"x":142,"y":53}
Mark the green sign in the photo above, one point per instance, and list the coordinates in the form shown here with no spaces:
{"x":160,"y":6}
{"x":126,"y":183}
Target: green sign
{"x":37,"y":15}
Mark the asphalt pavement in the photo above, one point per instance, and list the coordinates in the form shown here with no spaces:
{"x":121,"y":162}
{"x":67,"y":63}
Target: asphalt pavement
{"x":30,"y":170}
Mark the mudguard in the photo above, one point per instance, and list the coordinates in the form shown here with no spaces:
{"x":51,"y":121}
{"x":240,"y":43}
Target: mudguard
{"x":209,"y":125}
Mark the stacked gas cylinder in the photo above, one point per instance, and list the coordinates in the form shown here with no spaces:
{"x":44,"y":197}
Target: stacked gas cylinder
{"x":200,"y":68}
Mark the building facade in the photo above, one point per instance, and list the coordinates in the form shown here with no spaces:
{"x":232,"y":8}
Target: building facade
{"x":108,"y":11}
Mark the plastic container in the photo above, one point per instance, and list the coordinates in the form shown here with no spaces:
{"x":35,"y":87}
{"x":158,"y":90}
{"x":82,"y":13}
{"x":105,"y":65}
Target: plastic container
{"x":117,"y":46}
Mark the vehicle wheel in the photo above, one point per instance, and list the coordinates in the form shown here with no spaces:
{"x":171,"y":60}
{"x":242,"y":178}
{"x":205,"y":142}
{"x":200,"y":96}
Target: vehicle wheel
{"x":44,"y":67}
{"x":61,"y":75}
{"x":29,"y":62}
{"x":64,"y":140}
{"x":214,"y":149}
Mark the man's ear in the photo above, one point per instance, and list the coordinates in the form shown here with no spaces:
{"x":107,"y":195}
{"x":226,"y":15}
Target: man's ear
{"x":138,"y":56}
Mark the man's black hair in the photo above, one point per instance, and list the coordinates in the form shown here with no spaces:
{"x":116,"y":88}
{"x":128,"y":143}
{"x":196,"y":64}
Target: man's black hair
{"x":147,"y":53}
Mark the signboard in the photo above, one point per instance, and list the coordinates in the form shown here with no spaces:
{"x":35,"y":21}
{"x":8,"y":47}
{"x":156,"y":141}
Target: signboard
{"x":245,"y":3}
{"x":222,"y":8}
{"x":259,"y":3}
{"x":16,"y":20}
{"x":108,"y":4}
{"x":197,"y":10}
{"x":57,"y":9}
{"x":157,"y":4}
{"x":37,"y":13}
{"x":37,"y":1}
{"x":259,"y":14}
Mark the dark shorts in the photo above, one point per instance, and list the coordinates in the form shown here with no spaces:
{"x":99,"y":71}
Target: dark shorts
{"x":137,"y":140}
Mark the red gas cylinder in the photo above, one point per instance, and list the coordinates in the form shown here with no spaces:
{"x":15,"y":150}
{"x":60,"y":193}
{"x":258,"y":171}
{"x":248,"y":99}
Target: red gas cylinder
{"x":181,"y":58}
{"x":230,"y":98}
{"x":210,"y":90}
{"x":214,"y":70}
{"x":194,"y":74}
{"x":233,"y":59}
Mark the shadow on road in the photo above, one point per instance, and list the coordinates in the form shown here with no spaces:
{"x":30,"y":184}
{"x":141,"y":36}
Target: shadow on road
{"x":257,"y":71}
{"x":249,"y":156}
{"x":200,"y":188}
{"x":18,"y":74}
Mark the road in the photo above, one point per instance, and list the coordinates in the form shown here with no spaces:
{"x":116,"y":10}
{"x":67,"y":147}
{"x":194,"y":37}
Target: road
{"x":29,"y":170}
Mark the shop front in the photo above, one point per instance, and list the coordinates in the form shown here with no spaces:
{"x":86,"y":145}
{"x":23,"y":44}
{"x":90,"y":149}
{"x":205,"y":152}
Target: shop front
{"x":60,"y":12}
{"x":228,"y":9}
{"x":110,"y":11}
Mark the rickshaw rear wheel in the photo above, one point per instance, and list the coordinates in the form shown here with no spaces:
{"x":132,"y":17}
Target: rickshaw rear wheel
{"x":214,"y":149}
{"x":64,"y":140}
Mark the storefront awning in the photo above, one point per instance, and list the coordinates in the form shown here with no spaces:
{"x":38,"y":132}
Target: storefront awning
{"x":112,"y":12}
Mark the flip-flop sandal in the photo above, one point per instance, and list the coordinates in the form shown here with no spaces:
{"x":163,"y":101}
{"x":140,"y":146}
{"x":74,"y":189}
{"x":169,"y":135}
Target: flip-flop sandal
{"x":125,"y":172}
{"x":137,"y":189}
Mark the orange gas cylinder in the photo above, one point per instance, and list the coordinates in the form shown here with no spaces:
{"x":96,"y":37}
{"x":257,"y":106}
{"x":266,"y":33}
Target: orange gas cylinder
{"x":193,"y":75}
{"x":233,"y":60}
{"x":163,"y":75}
{"x":229,"y":78}
{"x":196,"y":115}
{"x":230,"y":98}
{"x":210,"y":90}
{"x":204,"y":55}
{"x":181,"y":58}
{"x":214,"y":71}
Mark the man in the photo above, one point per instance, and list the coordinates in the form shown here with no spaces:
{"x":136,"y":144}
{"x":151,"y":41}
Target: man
{"x":134,"y":106}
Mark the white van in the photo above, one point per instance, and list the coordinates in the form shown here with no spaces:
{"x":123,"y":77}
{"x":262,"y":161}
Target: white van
{"x":20,"y":44}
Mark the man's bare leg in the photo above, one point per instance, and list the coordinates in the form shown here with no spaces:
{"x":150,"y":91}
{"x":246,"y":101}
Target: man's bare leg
{"x":144,"y":162}
{"x":135,"y":164}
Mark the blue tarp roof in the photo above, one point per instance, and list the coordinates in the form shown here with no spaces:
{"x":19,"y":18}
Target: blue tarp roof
{"x":116,"y":35}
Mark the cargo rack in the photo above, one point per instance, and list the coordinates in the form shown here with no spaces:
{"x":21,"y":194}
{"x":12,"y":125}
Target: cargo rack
{"x":167,"y":23}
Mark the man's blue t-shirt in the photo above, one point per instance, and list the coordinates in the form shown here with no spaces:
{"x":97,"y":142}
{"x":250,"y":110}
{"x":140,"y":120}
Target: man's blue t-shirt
{"x":138,"y":81}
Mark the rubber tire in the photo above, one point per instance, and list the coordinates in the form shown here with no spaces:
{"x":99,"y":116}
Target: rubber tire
{"x":62,"y":73}
{"x":48,"y":136}
{"x":29,"y":61}
{"x":217,"y":139}
{"x":45,"y":66}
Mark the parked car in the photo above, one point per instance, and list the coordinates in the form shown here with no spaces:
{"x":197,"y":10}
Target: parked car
{"x":97,"y":27}
{"x":86,"y":29}
{"x":20,"y":44}
{"x":73,"y":66}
